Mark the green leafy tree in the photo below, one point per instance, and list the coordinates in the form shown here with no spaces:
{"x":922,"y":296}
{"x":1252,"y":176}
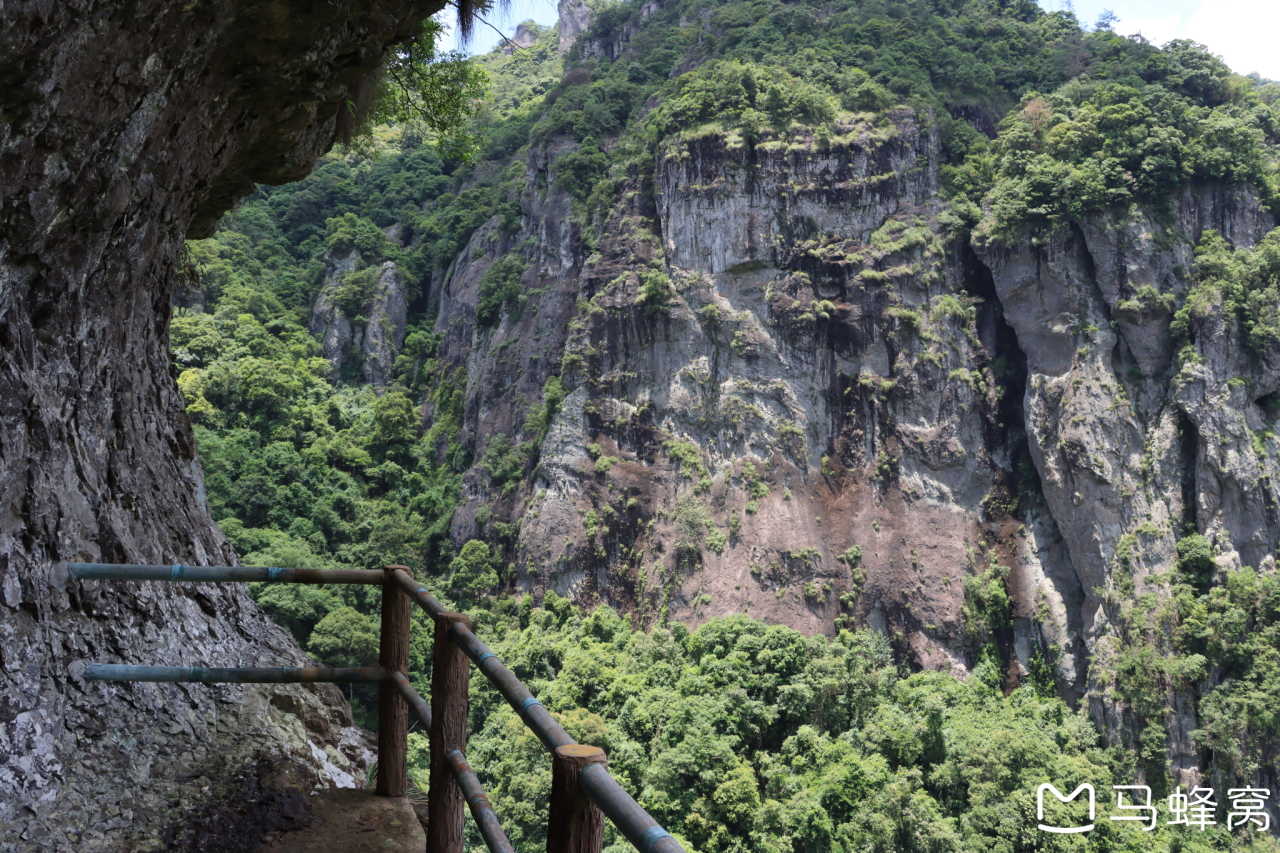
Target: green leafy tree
{"x":500,"y":290}
{"x":345,"y":637}
{"x":395,"y":425}
{"x":473,"y":573}
{"x":431,"y":92}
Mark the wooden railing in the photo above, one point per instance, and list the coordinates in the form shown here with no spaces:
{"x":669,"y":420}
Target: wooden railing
{"x":582,"y":789}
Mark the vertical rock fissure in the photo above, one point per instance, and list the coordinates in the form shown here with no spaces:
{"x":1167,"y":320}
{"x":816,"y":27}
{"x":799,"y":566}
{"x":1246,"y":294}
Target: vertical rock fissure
{"x":1007,"y":439}
{"x":1188,"y":454}
{"x":1009,"y":362}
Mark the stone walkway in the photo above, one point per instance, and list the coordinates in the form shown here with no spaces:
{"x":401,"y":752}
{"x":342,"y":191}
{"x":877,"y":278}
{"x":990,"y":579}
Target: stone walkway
{"x":344,"y":820}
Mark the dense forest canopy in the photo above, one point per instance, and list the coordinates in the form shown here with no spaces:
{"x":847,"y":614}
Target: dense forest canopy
{"x":737,"y":736}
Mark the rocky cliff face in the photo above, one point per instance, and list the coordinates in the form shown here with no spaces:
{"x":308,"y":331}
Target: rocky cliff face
{"x":782,"y":399}
{"x":126,"y":129}
{"x":361,"y":333}
{"x":575,"y":17}
{"x":791,"y":389}
{"x":1135,"y":443}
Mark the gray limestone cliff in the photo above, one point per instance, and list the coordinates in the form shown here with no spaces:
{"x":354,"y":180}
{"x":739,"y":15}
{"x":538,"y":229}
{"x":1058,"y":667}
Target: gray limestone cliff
{"x":1133,"y":441}
{"x":781,"y":361}
{"x":125,"y":128}
{"x":574,"y":18}
{"x":783,"y":382}
{"x":359,"y":317}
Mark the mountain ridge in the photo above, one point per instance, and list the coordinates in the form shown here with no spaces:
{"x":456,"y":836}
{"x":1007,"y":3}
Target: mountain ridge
{"x":846,"y":315}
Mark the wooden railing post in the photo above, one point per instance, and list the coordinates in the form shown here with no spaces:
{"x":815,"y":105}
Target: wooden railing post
{"x":575,"y":824}
{"x":449,"y":706}
{"x":583,"y":791}
{"x":393,"y":711}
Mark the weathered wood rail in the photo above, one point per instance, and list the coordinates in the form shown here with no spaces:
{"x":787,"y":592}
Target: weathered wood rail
{"x":582,"y":789}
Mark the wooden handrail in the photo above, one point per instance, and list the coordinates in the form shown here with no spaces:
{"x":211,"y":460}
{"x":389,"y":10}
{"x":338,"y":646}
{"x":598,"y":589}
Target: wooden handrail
{"x":593,"y":778}
{"x":582,"y":787}
{"x":449,"y":705}
{"x":219,"y":574}
{"x":574,"y":822}
{"x":477,"y":800}
{"x":393,"y":711}
{"x":229,"y":675}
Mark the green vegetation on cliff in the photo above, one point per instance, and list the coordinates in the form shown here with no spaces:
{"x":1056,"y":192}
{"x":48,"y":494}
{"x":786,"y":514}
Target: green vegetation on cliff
{"x":742,"y":737}
{"x":1236,"y":285}
{"x":738,"y":736}
{"x":1158,"y":120}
